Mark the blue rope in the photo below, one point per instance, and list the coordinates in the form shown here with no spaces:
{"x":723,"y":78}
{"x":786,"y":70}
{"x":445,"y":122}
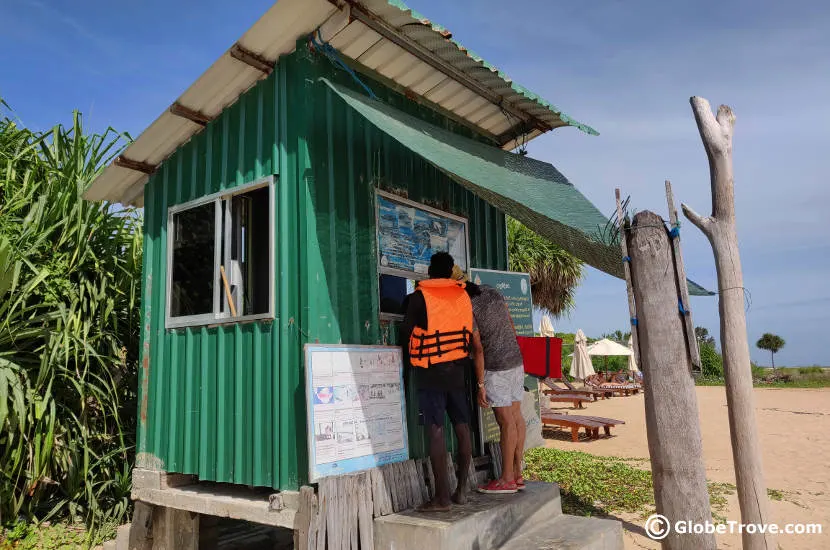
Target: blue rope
{"x":633,"y":321}
{"x":331,"y":52}
{"x":675,"y":232}
{"x":627,"y":259}
{"x":683,"y":311}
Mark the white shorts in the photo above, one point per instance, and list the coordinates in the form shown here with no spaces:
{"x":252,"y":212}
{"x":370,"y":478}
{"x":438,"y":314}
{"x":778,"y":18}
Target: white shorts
{"x":504,"y":387}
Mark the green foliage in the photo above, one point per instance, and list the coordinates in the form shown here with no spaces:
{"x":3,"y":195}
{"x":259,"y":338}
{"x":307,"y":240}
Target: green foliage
{"x":757,"y":372}
{"x":711,"y":361}
{"x":718,"y":495}
{"x":592,"y":484}
{"x":772,"y":343}
{"x":796,"y":377}
{"x":609,"y":363}
{"x":618,"y":336}
{"x":601,"y":485}
{"x":46,"y":536}
{"x":69,"y":311}
{"x":554,"y":274}
{"x":810,"y":370}
{"x":702,"y":336}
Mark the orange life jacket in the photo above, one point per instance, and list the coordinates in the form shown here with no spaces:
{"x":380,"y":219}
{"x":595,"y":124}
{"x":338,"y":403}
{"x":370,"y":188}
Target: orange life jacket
{"x":449,"y":324}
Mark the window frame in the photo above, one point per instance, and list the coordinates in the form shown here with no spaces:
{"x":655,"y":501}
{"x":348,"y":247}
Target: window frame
{"x":218,"y":317}
{"x":381,"y":270}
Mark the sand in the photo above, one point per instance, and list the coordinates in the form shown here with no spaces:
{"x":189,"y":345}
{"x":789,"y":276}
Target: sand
{"x":795,"y":442}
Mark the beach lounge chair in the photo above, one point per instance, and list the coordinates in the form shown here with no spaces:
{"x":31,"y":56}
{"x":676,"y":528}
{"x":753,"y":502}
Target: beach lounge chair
{"x":562,"y":395}
{"x":564,"y":381}
{"x":598,"y":382}
{"x":622,"y":378}
{"x":565,"y":397}
{"x":591,"y":424}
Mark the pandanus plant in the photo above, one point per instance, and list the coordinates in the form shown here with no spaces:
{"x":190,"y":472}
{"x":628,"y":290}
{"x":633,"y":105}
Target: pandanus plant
{"x":69,"y":317}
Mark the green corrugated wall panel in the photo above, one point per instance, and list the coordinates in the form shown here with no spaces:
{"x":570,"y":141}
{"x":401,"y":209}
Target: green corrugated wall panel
{"x":349,"y":158}
{"x":227,"y":403}
{"x":209,"y":403}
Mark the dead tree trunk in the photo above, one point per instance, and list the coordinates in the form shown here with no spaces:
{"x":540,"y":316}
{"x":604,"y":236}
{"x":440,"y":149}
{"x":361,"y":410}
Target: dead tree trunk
{"x":672,"y":424}
{"x":719,"y":228}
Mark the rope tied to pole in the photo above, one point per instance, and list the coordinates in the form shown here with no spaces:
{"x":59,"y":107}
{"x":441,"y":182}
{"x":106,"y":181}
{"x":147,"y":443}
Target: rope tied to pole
{"x":334,"y":56}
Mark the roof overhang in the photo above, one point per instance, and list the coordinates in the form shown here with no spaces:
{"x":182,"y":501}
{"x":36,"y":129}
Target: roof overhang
{"x":529,"y":190}
{"x":385,"y":38}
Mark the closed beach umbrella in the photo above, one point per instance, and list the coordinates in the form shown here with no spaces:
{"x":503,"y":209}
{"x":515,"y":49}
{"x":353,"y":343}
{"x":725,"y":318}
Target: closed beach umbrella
{"x":546,"y":327}
{"x":632,"y":363}
{"x":581,"y":367}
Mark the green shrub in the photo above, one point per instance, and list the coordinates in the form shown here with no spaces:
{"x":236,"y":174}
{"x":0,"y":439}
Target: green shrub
{"x":758,"y":372}
{"x":711,"y":361}
{"x":810,"y":370}
{"x":69,"y":326}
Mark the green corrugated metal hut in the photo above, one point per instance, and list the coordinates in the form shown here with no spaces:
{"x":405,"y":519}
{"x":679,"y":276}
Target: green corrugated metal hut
{"x":265,"y":174}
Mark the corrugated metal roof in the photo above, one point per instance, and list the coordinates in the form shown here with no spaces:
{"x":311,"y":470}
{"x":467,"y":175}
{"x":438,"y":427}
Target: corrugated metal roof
{"x":384,"y":36}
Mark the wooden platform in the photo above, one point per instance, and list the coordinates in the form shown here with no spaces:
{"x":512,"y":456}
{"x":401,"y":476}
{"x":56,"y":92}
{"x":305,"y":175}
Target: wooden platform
{"x":182,"y":492}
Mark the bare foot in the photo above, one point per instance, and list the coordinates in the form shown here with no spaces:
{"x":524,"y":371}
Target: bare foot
{"x":433,"y":506}
{"x":460,"y":497}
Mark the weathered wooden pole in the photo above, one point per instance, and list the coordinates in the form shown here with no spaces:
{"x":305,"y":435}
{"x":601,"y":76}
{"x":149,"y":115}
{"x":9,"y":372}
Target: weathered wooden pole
{"x":632,"y":308}
{"x":672,"y":424}
{"x":682,"y":285}
{"x":719,"y":228}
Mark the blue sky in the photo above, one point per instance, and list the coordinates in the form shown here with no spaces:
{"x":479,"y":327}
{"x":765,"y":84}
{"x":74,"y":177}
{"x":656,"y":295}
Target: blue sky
{"x":626,"y":68}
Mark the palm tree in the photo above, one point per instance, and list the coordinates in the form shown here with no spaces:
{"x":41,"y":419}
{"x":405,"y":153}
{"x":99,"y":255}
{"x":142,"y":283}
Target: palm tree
{"x":554,"y":273}
{"x":772,"y":343}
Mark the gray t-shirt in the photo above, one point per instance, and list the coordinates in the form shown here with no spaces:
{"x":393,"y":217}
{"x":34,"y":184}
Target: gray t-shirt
{"x":501,"y":351}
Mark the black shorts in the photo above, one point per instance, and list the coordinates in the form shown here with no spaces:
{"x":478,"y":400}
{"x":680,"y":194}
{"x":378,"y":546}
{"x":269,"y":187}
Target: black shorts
{"x":433,"y":403}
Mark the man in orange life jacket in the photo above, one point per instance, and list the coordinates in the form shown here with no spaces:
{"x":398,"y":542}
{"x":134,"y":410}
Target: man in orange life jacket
{"x":439,"y":336}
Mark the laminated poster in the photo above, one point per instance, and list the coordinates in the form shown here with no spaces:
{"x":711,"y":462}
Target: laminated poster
{"x":356,"y":409}
{"x":408,"y":236}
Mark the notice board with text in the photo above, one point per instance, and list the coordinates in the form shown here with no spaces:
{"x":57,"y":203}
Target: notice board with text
{"x":356,"y":409}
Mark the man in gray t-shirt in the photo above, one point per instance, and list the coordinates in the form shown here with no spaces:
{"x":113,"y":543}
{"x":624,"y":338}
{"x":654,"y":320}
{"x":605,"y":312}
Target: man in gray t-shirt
{"x":501,"y":384}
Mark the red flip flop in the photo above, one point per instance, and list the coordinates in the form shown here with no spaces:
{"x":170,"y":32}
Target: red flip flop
{"x":497,"y":487}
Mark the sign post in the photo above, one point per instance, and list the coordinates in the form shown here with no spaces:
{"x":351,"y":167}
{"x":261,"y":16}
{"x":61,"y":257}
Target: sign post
{"x":515,"y":287}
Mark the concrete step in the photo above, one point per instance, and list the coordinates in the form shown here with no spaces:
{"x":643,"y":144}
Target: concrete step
{"x":571,"y":533}
{"x":485,"y":523}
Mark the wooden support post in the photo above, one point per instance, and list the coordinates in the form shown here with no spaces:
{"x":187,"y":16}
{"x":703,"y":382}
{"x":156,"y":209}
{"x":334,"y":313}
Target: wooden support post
{"x":719,"y":228}
{"x":672,"y":425}
{"x":682,"y":285}
{"x":141,"y":528}
{"x":632,"y":308}
{"x":175,"y":529}
{"x":302,"y":521}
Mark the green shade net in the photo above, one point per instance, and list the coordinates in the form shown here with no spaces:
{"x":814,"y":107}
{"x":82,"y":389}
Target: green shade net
{"x":531,"y":191}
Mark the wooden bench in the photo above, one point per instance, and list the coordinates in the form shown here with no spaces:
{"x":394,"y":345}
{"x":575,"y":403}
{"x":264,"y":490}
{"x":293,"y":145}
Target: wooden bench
{"x":591,"y":424}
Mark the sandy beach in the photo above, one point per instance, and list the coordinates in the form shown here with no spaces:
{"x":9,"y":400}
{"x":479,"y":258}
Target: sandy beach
{"x":795,"y":439}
